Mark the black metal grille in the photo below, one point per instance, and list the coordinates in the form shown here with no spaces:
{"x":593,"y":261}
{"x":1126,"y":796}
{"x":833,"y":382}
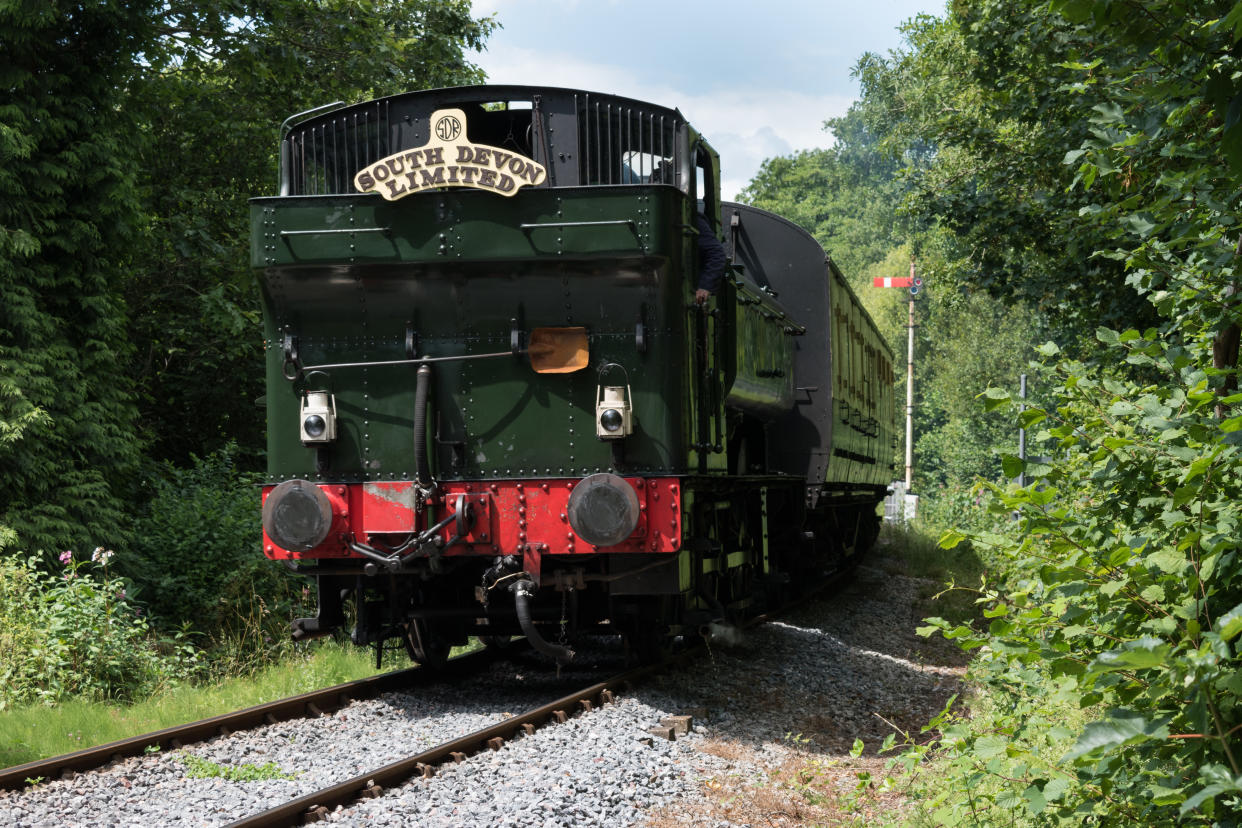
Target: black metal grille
{"x":619,"y":143}
{"x":321,"y":157}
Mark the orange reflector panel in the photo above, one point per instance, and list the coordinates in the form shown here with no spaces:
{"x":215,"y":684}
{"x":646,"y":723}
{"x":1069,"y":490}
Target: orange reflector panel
{"x":558,"y":350}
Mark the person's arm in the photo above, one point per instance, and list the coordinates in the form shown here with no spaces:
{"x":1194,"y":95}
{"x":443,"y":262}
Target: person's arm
{"x":711,"y":260}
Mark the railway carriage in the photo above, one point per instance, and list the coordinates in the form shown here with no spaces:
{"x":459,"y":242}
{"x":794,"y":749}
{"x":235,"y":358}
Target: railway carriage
{"x":494,"y":407}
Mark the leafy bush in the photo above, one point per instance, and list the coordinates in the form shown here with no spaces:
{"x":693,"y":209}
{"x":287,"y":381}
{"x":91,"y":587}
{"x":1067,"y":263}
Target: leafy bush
{"x":1125,"y":600}
{"x":77,"y":633}
{"x":198,"y":561}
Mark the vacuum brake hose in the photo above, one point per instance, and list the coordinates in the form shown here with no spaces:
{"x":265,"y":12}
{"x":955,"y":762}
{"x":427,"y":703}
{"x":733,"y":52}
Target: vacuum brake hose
{"x":523,"y":590}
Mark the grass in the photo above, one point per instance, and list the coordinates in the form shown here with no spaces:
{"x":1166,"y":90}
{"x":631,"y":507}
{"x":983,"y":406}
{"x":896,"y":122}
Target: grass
{"x":38,"y":731}
{"x":199,"y":768}
{"x":912,"y":550}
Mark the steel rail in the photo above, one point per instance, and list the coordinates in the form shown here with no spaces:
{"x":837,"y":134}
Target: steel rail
{"x":316,"y":806}
{"x":314,"y":703}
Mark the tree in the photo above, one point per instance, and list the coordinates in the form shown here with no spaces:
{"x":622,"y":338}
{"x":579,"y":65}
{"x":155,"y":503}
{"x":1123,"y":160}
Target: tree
{"x":68,"y":208}
{"x":131,"y":135}
{"x":232,"y":72}
{"x":976,"y":111}
{"x":1123,"y":593}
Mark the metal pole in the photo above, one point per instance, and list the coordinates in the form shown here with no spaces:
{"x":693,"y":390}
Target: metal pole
{"x":910,"y":393}
{"x":1022,"y":432}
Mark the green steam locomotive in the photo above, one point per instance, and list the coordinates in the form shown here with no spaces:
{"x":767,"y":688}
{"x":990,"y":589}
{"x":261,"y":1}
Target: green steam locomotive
{"x":495,"y":406}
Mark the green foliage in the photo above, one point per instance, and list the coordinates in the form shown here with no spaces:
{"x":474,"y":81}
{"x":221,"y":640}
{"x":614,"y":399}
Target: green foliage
{"x":1126,"y":593}
{"x":200,"y":768}
{"x":198,"y":562}
{"x":68,"y":204}
{"x":36,"y":731}
{"x":233,"y":72}
{"x":976,"y":112}
{"x":958,"y":441}
{"x":78,"y":634}
{"x":1082,"y":157}
{"x":846,"y":196}
{"x":131,"y":136}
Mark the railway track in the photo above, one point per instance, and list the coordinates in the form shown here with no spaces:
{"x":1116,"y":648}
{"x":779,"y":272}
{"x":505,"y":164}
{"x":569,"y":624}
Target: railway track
{"x":317,"y":805}
{"x":315,"y":703}
{"x":448,"y":756}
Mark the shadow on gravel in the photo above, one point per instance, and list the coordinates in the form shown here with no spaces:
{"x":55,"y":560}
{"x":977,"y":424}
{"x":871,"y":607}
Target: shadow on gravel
{"x":847,"y":666}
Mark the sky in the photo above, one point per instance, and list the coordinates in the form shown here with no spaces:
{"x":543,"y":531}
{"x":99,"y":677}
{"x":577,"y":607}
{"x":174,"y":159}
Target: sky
{"x":758,"y":78}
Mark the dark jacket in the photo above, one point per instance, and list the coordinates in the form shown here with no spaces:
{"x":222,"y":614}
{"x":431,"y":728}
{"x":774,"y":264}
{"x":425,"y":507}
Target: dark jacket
{"x":711,"y":256}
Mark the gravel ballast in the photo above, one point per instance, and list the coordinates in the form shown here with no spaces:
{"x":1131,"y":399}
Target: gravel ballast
{"x":844,"y":667}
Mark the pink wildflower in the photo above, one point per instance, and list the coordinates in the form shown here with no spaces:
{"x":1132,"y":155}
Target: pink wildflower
{"x":66,"y":556}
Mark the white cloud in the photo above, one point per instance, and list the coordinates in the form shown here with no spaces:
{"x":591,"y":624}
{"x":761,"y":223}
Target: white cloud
{"x":745,"y":125}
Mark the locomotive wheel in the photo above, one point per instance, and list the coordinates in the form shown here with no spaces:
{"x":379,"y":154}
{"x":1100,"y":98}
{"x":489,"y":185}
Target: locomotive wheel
{"x":426,"y":647}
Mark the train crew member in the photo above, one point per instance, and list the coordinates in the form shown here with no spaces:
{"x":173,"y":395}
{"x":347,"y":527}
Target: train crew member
{"x":711,"y":260}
